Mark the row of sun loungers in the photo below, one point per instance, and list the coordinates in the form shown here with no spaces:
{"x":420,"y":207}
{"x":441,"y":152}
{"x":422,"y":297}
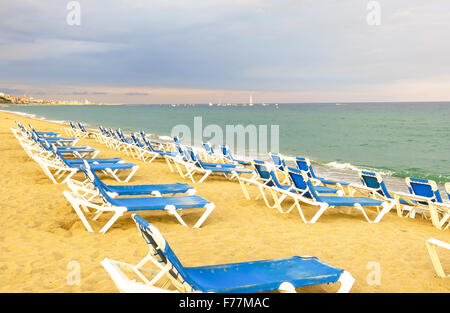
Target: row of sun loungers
{"x":298,"y":183}
{"x":283,"y":274}
{"x":283,"y":182}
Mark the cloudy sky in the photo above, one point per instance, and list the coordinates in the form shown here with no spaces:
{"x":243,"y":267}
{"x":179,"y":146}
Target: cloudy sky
{"x":181,"y":51}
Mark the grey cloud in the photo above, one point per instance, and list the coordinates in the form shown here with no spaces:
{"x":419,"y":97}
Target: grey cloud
{"x":248,"y":44}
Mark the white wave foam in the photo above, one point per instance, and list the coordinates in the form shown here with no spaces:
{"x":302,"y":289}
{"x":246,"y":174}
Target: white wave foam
{"x":20,"y":113}
{"x":342,"y":166}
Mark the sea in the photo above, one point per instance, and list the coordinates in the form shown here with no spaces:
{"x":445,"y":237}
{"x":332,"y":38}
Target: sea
{"x":396,"y":139}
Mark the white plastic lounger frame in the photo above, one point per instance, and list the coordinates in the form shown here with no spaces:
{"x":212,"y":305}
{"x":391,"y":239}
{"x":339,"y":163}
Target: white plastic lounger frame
{"x":386,"y":206}
{"x":117,"y":270}
{"x":432,"y":244}
{"x":58,"y":173}
{"x":80,"y":205}
{"x":262,"y":187}
{"x":439,"y":212}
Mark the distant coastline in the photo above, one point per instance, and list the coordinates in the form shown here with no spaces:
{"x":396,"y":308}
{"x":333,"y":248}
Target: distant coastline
{"x":11,"y":100}
{"x":10,"y":104}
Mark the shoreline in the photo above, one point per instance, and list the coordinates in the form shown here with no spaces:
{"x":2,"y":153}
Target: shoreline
{"x":41,"y":234}
{"x":333,"y":168}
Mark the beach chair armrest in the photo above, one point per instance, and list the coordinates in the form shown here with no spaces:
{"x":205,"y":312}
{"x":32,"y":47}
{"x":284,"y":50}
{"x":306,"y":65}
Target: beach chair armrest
{"x":439,"y":243}
{"x":125,"y":284}
{"x":407,"y":196}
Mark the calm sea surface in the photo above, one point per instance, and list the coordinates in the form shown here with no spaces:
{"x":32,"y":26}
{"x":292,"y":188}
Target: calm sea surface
{"x":396,"y":139}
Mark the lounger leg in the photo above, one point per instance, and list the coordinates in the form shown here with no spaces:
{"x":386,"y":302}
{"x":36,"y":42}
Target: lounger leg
{"x":244,"y":190}
{"x":76,"y":206}
{"x":261,"y":190}
{"x":444,"y":219}
{"x":386,"y":208}
{"x":171,"y":210}
{"x":435,"y":260}
{"x":346,"y":281}
{"x":118,"y":213}
{"x":69,"y":176}
{"x":360,"y":208}
{"x":287,"y":287}
{"x":154,"y":157}
{"x":278,"y":201}
{"x":168,"y":164}
{"x":209,"y":208}
{"x":135,"y":168}
{"x":322,"y":209}
{"x":300,"y":211}
{"x":204,"y":177}
{"x":434,"y":216}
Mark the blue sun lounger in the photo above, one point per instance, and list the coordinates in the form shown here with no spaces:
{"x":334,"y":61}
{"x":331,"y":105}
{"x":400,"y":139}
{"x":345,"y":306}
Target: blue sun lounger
{"x":209,"y":152}
{"x":41,"y":133}
{"x":373,"y":184}
{"x":133,"y":190}
{"x":159,"y":152}
{"x":216,"y":168}
{"x":266,"y":179}
{"x":304,"y":164}
{"x":48,"y":146}
{"x":228,"y":156}
{"x":280,"y":165}
{"x":283,"y":275}
{"x":424,"y":196}
{"x":121,"y":205}
{"x":307,"y":194}
{"x":84,"y":132}
{"x":279,"y":162}
{"x":103,"y":165}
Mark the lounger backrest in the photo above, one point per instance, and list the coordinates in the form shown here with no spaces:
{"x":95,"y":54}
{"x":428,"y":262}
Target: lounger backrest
{"x":194,"y":157}
{"x":447,"y":189}
{"x":58,"y":154}
{"x":136,"y":140}
{"x":302,"y":184}
{"x":91,"y":176}
{"x":373,"y":180}
{"x":162,"y":253}
{"x":21,"y":126}
{"x":424,"y":187}
{"x":72,"y":125}
{"x":278,"y":161}
{"x":263,"y":172}
{"x":208,"y":148}
{"x":184,"y":154}
{"x":275,"y":180}
{"x":226,"y":152}
{"x":304,"y":164}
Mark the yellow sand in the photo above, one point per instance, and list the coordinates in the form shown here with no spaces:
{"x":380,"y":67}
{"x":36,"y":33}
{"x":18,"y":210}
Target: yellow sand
{"x":40,"y":233}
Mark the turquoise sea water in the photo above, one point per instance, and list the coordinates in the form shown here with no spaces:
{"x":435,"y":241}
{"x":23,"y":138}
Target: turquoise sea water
{"x":397,"y":139}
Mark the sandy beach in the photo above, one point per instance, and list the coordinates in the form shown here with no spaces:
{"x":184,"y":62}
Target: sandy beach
{"x":40,"y":234}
